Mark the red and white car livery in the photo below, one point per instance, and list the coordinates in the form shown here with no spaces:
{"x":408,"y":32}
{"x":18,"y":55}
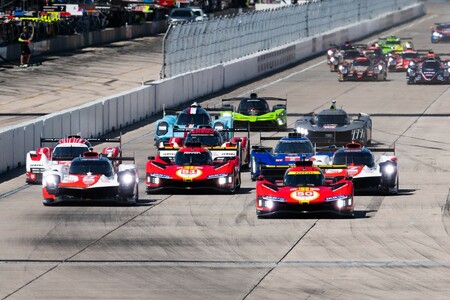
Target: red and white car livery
{"x":368,"y":172}
{"x":399,"y":61}
{"x":302,"y":189}
{"x":66,"y":149}
{"x":92,"y":176}
{"x":194,"y":167}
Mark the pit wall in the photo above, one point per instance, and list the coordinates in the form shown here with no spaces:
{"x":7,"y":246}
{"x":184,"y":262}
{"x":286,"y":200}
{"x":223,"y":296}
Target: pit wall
{"x":118,"y":111}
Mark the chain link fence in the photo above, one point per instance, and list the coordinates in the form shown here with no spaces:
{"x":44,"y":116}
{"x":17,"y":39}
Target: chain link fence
{"x":196,"y":45}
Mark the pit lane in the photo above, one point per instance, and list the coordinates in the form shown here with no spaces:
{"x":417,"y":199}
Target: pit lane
{"x":196,"y":246}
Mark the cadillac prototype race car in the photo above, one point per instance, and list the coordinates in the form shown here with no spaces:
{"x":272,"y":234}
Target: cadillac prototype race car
{"x":191,"y":117}
{"x":431,"y":69}
{"x":368,"y":173}
{"x":440,"y":32}
{"x":254,"y":112}
{"x":194,"y":167}
{"x":212,"y":139}
{"x":92,"y":177}
{"x":287,"y":152}
{"x":334,"y":126}
{"x":363,"y":68}
{"x":64,"y":152}
{"x":303,"y":189}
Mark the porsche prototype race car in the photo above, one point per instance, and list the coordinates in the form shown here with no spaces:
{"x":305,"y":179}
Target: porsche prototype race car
{"x":66,"y":149}
{"x":334,"y":126}
{"x":337,"y":54}
{"x":211,"y":139}
{"x":440,"y":32}
{"x":368,"y":173}
{"x":394,"y":43}
{"x":303,"y":189}
{"x":431,"y":69}
{"x":254,"y":112}
{"x":399,"y":61}
{"x":194,"y":167}
{"x":363,"y":68}
{"x":92,"y":177}
{"x":287,"y":152}
{"x":191,"y":117}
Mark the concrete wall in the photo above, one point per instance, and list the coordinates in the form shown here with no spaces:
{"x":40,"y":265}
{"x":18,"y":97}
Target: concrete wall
{"x":121,"y":110}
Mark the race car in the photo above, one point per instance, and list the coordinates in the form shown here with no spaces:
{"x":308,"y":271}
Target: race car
{"x":337,"y":54}
{"x":431,"y":69}
{"x":191,"y":117}
{"x":440,"y":32}
{"x":303,"y":189}
{"x":211,"y":139}
{"x":369,"y":173}
{"x":194,"y":168}
{"x":394,"y":43}
{"x":334,"y":126}
{"x":399,"y":61}
{"x":362,"y":68}
{"x":289,"y":150}
{"x":66,"y":149}
{"x":92,"y":177}
{"x":254,"y":112}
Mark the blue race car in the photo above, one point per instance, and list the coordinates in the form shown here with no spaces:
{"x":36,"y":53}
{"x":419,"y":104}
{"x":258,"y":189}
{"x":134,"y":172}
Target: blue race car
{"x":440,"y":32}
{"x":288,"y":151}
{"x":194,"y":116}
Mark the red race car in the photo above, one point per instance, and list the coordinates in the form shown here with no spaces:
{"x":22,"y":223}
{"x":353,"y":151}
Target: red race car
{"x":303,"y":189}
{"x":399,"y":61}
{"x":194,"y":167}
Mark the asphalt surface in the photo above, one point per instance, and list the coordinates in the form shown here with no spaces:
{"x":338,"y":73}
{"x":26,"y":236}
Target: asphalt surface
{"x":198,"y":246}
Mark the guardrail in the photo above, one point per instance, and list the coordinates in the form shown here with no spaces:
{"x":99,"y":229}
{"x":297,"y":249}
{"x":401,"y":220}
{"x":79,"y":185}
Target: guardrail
{"x":118,"y":111}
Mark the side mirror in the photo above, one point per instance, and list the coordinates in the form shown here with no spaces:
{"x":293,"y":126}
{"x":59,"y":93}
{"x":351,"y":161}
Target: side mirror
{"x":260,"y":178}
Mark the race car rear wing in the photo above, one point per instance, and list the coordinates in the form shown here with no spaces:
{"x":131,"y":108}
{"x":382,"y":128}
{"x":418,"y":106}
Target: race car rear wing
{"x":253,"y":95}
{"x":90,"y":140}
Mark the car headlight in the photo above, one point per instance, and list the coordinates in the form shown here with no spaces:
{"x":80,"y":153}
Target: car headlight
{"x":389,"y":169}
{"x":437,"y":34}
{"x":343,"y":69}
{"x":330,"y":52}
{"x":280,"y":121}
{"x":411,"y":64}
{"x":51,"y":180}
{"x":411,"y":72}
{"x":302,"y":131}
{"x":380,"y":67}
{"x":225,"y":180}
{"x":127,"y":178}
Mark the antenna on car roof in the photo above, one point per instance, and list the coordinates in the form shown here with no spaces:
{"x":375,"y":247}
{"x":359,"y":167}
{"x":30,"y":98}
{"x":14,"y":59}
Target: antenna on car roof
{"x":333,"y":105}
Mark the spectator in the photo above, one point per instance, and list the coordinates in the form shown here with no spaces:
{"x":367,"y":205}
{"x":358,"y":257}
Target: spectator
{"x":25,"y":52}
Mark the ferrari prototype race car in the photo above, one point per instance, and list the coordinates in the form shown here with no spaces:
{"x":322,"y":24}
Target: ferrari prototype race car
{"x":337,"y":54}
{"x":66,"y":149}
{"x":191,"y":117}
{"x":363,"y":68}
{"x":254,"y":112}
{"x":303,"y":189}
{"x":334,"y":126}
{"x":194,"y":167}
{"x":399,"y":61}
{"x":431,"y":69}
{"x":394,"y":43}
{"x":440,"y":32}
{"x":368,"y":173}
{"x":212,"y":139}
{"x":287,"y":152}
{"x":92,"y":177}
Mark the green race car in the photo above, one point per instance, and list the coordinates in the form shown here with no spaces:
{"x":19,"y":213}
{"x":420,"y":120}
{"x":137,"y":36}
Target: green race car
{"x":255,"y":113}
{"x":394,"y":44}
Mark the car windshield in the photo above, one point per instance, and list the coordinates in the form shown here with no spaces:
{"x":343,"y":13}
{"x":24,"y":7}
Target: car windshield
{"x":362,"y":63}
{"x":351,"y":54}
{"x":69,"y":151}
{"x":96,"y":167}
{"x":193,"y":119}
{"x":193,"y":158}
{"x":257,"y":105}
{"x":339,"y":120}
{"x":393,"y":42}
{"x":431,"y":65}
{"x":304,"y":179}
{"x":353,"y":158}
{"x":441,"y":27}
{"x":286,"y":146}
{"x":204,"y":139}
{"x":411,"y":55}
{"x":181,"y":14}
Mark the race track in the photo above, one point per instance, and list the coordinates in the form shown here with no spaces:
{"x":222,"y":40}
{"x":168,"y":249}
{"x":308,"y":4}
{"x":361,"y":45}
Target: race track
{"x":199,"y":246}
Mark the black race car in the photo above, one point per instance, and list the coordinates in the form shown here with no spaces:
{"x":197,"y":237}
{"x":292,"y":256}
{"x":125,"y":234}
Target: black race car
{"x":431,"y":69}
{"x":334,"y":126}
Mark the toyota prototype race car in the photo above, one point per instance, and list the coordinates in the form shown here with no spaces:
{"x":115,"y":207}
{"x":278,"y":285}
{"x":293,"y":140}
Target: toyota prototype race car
{"x":430,"y":69}
{"x":303,"y":189}
{"x":337,"y":54}
{"x":211,"y":139}
{"x":334,"y":126}
{"x":254,"y":112}
{"x":399,"y":61}
{"x":191,"y":117}
{"x":363,"y":68}
{"x":92,"y":177}
{"x":66,"y":149}
{"x":440,"y":32}
{"x":194,"y":167}
{"x":394,"y":43}
{"x":368,"y":173}
{"x":289,"y":150}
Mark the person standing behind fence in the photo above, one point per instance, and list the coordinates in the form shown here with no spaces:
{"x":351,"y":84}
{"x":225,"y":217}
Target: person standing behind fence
{"x":25,"y":52}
